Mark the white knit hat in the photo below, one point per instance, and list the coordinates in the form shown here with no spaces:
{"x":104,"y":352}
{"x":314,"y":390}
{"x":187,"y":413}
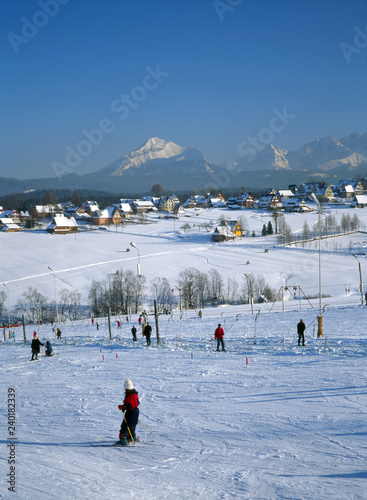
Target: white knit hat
{"x":128,"y":384}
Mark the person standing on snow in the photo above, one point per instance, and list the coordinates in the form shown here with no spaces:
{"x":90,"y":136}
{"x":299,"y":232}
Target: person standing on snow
{"x":35,"y":346}
{"x":131,"y":416}
{"x":301,"y":327}
{"x":147,"y":333}
{"x":219,"y":334}
{"x":133,"y":331}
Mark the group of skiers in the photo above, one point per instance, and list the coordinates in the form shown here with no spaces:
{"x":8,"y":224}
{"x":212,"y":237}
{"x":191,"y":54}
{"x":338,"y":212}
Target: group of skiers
{"x":147,"y":332}
{"x":36,"y":347}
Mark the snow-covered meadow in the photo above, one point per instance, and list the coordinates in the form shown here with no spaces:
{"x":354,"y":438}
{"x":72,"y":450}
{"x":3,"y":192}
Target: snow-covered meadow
{"x":263,"y":420}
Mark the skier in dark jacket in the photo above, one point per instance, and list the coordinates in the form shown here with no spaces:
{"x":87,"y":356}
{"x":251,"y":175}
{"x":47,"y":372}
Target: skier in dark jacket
{"x":147,"y":333}
{"x":48,"y":347}
{"x":301,"y":327}
{"x":131,"y":416}
{"x":133,"y":331}
{"x":35,"y":346}
{"x":219,"y":334}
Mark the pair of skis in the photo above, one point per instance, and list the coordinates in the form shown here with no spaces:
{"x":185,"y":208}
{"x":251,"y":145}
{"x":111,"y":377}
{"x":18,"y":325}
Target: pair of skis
{"x":107,"y":444}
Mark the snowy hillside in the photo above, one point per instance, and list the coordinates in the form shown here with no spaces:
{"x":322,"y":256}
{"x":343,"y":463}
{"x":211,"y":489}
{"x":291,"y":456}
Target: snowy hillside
{"x":265,"y":419}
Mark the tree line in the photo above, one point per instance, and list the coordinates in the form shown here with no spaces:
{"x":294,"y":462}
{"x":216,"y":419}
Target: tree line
{"x":122,"y":293}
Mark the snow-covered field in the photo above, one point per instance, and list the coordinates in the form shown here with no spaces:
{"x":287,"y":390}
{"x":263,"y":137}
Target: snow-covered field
{"x":263,"y":420}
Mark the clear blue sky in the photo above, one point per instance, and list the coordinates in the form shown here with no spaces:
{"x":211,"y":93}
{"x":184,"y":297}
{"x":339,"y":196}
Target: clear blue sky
{"x":225,"y":65}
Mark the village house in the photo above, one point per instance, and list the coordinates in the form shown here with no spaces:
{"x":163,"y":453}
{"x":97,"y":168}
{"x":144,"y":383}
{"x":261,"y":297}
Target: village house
{"x":246,"y":200}
{"x":45,"y":211}
{"x":201,"y":202}
{"x":168,"y":203}
{"x":347,"y":191}
{"x":361,"y":200}
{"x":7,"y":225}
{"x":227,"y":230}
{"x":107,"y":217}
{"x":232,"y":203}
{"x":321,"y":190}
{"x":125,"y":209}
{"x":61,"y":224}
{"x":140,"y":207}
{"x":215,"y":203}
{"x":356,"y":187}
{"x":78,"y":212}
{"x":190,"y":202}
{"x":14,"y":215}
{"x":296,"y":205}
{"x":285,"y":194}
{"x":270,"y":201}
{"x":90,"y":207}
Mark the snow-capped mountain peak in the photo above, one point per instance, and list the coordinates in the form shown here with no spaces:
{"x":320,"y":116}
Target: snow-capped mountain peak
{"x":155,"y":148}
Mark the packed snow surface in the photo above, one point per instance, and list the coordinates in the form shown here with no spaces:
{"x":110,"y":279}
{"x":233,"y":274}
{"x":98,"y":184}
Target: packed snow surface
{"x":265,"y":419}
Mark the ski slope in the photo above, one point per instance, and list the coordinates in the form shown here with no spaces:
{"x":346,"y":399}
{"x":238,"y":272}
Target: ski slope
{"x":262,"y":420}
{"x":289,"y":424}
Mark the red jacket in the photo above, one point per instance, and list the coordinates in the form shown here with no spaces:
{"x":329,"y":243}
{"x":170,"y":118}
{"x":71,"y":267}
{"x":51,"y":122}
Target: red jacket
{"x":219,"y":333}
{"x":131,"y":401}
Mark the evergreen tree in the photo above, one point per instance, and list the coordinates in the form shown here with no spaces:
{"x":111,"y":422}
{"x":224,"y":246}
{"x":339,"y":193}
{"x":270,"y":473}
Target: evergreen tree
{"x":76,"y":200}
{"x":49,"y":199}
{"x":264,"y":231}
{"x":270,"y":228}
{"x":157,"y":189}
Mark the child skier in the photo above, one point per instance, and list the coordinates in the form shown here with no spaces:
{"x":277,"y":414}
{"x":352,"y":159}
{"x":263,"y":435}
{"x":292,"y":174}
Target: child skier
{"x":131,"y":416}
{"x":48,"y":346}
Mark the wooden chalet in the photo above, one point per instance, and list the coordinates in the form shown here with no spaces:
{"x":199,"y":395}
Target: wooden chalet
{"x":61,"y":224}
{"x":107,"y":217}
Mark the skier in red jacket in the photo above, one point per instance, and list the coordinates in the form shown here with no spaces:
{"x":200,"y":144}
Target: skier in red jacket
{"x":131,"y":416}
{"x":219,"y":334}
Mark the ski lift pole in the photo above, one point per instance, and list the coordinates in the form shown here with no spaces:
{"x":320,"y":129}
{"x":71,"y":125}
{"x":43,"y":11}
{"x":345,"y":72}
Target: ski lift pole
{"x":235,"y":321}
{"x":323,"y":310}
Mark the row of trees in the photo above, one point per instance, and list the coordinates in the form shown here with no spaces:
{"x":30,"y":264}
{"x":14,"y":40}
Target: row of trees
{"x":121,"y":293}
{"x":329,"y":226}
{"x":35,"y":306}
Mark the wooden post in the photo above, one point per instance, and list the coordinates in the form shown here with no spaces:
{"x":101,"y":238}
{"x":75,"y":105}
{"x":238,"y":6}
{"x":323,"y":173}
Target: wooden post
{"x":109,"y":323}
{"x":156,"y":321}
{"x":24,"y":335}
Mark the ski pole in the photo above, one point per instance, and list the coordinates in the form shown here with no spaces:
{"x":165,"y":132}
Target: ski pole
{"x":146,"y":427}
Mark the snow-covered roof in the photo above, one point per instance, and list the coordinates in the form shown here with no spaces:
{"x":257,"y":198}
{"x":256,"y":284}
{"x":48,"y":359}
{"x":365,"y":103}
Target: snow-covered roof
{"x":62,"y":221}
{"x":9,"y":226}
{"x":361,"y":198}
{"x":224,"y":231}
{"x":126,"y":208}
{"x":285,"y":192}
{"x":140,"y":203}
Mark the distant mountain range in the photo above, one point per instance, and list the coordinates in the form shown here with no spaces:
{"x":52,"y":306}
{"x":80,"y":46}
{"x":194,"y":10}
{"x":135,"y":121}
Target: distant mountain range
{"x":177,"y":168}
